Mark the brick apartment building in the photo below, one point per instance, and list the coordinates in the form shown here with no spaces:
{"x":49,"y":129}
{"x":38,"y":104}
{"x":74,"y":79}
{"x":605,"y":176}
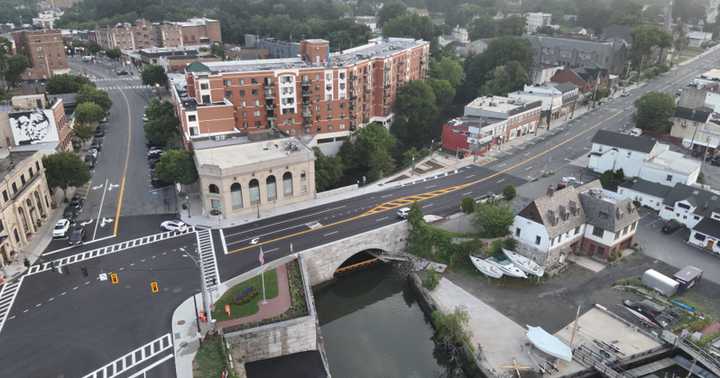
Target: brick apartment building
{"x":144,"y":34}
{"x":317,"y":93}
{"x":45,"y":51}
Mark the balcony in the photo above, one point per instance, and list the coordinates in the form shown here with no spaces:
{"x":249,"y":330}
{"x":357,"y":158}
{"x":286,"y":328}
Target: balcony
{"x":269,"y":94}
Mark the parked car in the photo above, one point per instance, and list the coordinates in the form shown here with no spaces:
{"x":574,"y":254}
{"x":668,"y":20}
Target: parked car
{"x":715,"y":161}
{"x":90,"y":161}
{"x":77,"y":202}
{"x":671,"y":226}
{"x":173,"y":225}
{"x":403,"y":212}
{"x":70,"y":212}
{"x":93,"y":152}
{"x":61,"y":228}
{"x":158,"y":183}
{"x":122,"y":73}
{"x":99,"y":132}
{"x":154,"y":152}
{"x":77,"y":236}
{"x":145,"y":117}
{"x":625,"y":94}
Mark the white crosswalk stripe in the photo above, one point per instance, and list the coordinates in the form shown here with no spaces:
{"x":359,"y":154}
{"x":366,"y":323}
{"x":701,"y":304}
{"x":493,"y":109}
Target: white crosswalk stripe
{"x":114,"y":79}
{"x":8,"y":292}
{"x":103,"y":251}
{"x":208,"y":261}
{"x":134,"y":358}
{"x":118,"y":87}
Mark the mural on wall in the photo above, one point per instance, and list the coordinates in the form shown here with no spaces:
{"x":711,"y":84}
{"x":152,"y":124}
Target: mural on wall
{"x":33,"y":127}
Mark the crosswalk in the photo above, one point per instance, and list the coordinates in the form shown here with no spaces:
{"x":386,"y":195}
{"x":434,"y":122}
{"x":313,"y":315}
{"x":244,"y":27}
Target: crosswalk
{"x":119,"y":87}
{"x":208,"y":261}
{"x":129,"y":78}
{"x":8,"y":292}
{"x":103,"y":251}
{"x":135,"y":358}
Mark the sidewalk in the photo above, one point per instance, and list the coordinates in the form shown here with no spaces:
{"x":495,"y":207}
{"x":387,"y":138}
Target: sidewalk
{"x":186,"y":338}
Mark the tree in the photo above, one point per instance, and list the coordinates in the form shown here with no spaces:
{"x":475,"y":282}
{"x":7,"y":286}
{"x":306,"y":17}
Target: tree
{"x":415,"y":112}
{"x":444,"y":92}
{"x":66,"y":83}
{"x":154,"y":74}
{"x":645,"y":37}
{"x":390,"y":11}
{"x":593,"y":14}
{"x":88,"y":93}
{"x":368,"y":154}
{"x":509,"y":193}
{"x":409,"y":26}
{"x":218,"y":50}
{"x":89,"y":113}
{"x":113,"y":54}
{"x":162,"y":131}
{"x":84,"y":131}
{"x":493,"y":219}
{"x":65,"y":169}
{"x":447,"y":68}
{"x":452,"y":331}
{"x":611,"y":179}
{"x":510,"y":26}
{"x":328,"y":171}
{"x":177,"y":166}
{"x":14,"y":68}
{"x":505,"y":79}
{"x":468,"y":205}
{"x":500,"y":51}
{"x":654,"y":110}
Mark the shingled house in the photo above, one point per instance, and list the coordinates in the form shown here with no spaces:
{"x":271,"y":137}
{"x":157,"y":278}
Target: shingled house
{"x":585,"y":220}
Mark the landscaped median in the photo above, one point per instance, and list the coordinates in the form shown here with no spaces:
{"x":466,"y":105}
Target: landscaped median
{"x":243,"y":298}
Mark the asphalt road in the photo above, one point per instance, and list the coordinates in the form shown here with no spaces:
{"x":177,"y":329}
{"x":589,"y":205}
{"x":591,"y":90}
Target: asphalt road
{"x":95,"y":322}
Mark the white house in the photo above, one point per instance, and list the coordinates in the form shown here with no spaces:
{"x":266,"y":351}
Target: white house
{"x":689,"y":205}
{"x":643,"y":157}
{"x":536,"y":20}
{"x":706,"y":234}
{"x":646,"y":193}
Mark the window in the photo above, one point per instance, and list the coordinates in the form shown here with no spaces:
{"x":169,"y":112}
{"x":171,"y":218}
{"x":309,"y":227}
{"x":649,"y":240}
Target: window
{"x":577,"y":230}
{"x":699,"y":237}
{"x":22,"y":179}
{"x":254,"y":92}
{"x":5,"y":196}
{"x":683,"y":206}
{"x":597,"y":231}
{"x":37,"y":165}
{"x":242,"y":93}
{"x":287,"y":184}
{"x":537,"y":240}
{"x":254,"y":192}
{"x":227,"y":83}
{"x":668,"y":178}
{"x":203,"y":86}
{"x":14,"y":188}
{"x":212,"y":188}
{"x":253,"y":81}
{"x":236,"y":196}
{"x":271,"y":188}
{"x":517,"y":231}
{"x":194,"y":131}
{"x":192,"y":118}
{"x":215,"y":204}
{"x":228,"y":94}
{"x":2,"y":226}
{"x":32,"y":173}
{"x":206,"y":99}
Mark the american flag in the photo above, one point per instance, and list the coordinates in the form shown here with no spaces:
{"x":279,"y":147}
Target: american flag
{"x":261,"y":257}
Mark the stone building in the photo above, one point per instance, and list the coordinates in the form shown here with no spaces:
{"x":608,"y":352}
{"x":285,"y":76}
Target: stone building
{"x":45,"y":51}
{"x":245,"y":175}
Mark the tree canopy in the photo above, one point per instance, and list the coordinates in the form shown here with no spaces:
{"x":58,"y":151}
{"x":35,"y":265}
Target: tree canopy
{"x":409,"y":26}
{"x":654,"y":110}
{"x":500,"y":52}
{"x":66,"y":83}
{"x":645,"y":38}
{"x":88,"y":93}
{"x":328,"y":171}
{"x":65,"y":169}
{"x":162,"y":126}
{"x":447,"y":68}
{"x":113,"y":53}
{"x":505,"y":79}
{"x":14,"y":67}
{"x":493,"y":219}
{"x":368,"y":153}
{"x":89,"y":113}
{"x":177,"y":166}
{"x":389,"y":11}
{"x":154,"y":74}
{"x":416,"y":112}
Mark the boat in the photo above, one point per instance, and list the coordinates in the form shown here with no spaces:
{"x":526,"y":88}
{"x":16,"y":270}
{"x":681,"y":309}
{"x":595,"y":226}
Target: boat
{"x":525,"y":264}
{"x":486,"y":268}
{"x":507,"y":267}
{"x":549,"y":343}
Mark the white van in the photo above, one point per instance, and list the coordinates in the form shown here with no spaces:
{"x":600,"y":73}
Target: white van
{"x":403,"y":212}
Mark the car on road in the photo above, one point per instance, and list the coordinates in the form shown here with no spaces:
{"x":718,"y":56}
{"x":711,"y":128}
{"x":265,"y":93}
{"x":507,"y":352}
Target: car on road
{"x":485,"y":198}
{"x":122,"y":73}
{"x":158,"y":183}
{"x":403,"y":212}
{"x":93,"y":152}
{"x":77,"y":236}
{"x":99,"y":132}
{"x":174,"y":225}
{"x":153,"y":152}
{"x":77,"y":202}
{"x":671,"y":226}
{"x":61,"y":228}
{"x":70,"y":212}
{"x":90,"y":161}
{"x":97,"y":144}
{"x":145,"y":117}
{"x":625,"y":94}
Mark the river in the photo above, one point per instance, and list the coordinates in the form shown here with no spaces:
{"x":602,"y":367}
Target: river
{"x":373,"y":327}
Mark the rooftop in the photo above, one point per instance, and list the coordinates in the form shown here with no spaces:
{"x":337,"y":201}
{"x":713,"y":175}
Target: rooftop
{"x":647,"y":187}
{"x":14,"y":158}
{"x":624,"y":141}
{"x":701,"y":114}
{"x":501,"y":104}
{"x":244,"y":152}
{"x":708,"y":226}
{"x":197,"y":21}
{"x":675,"y":161}
{"x":704,"y":201}
{"x":607,"y":212}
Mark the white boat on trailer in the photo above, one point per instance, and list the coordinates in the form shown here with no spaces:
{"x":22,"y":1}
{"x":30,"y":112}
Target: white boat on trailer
{"x":486,"y":268}
{"x":507,"y":267}
{"x":525,"y":264}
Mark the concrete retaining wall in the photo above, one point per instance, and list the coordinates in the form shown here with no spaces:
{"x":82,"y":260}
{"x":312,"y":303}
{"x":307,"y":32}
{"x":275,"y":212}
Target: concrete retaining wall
{"x":273,"y":340}
{"x":334,"y":192}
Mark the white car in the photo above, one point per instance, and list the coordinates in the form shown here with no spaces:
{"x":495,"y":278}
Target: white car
{"x":61,"y":228}
{"x":174,"y":225}
{"x":403,"y":212}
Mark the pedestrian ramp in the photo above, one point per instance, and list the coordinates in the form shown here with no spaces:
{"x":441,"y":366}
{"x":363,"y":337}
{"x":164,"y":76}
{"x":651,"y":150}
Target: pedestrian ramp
{"x":103,"y":251}
{"x":131,"y":362}
{"x":8,"y":292}
{"x":208,"y":261}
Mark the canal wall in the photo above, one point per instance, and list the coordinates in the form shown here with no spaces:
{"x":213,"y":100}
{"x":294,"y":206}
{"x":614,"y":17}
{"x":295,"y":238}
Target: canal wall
{"x":324,"y":260}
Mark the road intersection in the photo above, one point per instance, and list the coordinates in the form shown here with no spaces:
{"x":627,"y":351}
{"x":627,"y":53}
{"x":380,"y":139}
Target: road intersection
{"x":76,"y":325}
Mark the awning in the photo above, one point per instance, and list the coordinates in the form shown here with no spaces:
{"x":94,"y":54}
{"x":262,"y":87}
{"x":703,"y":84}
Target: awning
{"x":549,"y":343}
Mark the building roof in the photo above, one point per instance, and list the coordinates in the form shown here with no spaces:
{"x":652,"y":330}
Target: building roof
{"x":624,"y":141}
{"x":243,"y":152}
{"x":672,"y":161}
{"x":607,"y":213}
{"x":703,"y":201}
{"x":701,"y":114}
{"x":197,"y":67}
{"x":708,"y":226}
{"x":12,"y":160}
{"x":647,"y":187}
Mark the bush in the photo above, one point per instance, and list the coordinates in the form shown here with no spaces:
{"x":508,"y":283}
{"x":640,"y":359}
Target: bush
{"x":509,"y":193}
{"x":493,"y":219}
{"x":467,"y":205}
{"x":496,"y":248}
{"x":246,"y":295}
{"x":510,"y":244}
{"x":430,"y":279}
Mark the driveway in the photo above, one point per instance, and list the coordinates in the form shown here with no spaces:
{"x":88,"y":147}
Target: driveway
{"x":673,"y":249}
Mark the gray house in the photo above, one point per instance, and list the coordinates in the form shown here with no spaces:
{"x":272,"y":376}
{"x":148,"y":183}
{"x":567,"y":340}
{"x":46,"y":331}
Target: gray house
{"x":610,"y":55}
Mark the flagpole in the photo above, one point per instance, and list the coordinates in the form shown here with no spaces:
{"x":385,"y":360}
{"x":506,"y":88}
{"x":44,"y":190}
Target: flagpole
{"x":262,"y":275}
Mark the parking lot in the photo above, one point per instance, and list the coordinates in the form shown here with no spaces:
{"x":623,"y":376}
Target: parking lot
{"x":673,"y":248}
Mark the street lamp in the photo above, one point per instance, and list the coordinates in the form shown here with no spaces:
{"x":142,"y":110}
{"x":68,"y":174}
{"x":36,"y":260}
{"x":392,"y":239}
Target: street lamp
{"x":203,"y":287}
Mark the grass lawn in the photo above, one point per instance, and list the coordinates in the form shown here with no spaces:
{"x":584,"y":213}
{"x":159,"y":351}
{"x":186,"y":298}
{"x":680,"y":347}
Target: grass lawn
{"x":250,"y":307}
{"x":688,"y":53}
{"x":210,"y":359}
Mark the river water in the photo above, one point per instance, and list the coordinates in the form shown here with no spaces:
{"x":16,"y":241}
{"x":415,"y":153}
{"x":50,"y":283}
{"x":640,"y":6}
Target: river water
{"x":374,"y":327}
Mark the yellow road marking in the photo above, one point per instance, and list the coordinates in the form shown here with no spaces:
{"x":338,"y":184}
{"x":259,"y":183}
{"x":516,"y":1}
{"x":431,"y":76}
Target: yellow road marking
{"x":121,"y":194}
{"x":390,"y":205}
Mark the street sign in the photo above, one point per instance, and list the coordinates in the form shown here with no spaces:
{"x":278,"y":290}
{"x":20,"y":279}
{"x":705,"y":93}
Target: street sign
{"x":154,"y":286}
{"x":102,"y":276}
{"x":114,"y":278}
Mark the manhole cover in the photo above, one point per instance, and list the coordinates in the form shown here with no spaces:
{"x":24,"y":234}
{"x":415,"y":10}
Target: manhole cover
{"x":181,"y":322}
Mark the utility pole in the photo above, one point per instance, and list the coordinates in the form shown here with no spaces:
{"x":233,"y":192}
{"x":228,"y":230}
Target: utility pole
{"x":575,"y":327}
{"x":203,"y":287}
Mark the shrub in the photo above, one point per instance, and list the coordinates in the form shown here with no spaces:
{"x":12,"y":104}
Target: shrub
{"x":431,"y":279}
{"x":468,"y":205}
{"x":509,"y":193}
{"x":496,"y":248}
{"x":510,"y":244}
{"x":246,"y":295}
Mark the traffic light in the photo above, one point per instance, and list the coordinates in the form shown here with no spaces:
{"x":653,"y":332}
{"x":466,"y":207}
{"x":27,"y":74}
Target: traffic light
{"x":114,"y":278}
{"x":154,"y":286}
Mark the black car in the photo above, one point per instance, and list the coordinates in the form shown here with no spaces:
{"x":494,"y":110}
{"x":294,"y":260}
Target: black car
{"x":122,"y":73}
{"x":99,"y":132}
{"x":158,"y":183}
{"x":77,"y":202}
{"x":90,"y":161}
{"x":97,"y":144}
{"x":70,"y":212}
{"x":77,"y":236}
{"x":671,"y":226}
{"x":715,"y":161}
